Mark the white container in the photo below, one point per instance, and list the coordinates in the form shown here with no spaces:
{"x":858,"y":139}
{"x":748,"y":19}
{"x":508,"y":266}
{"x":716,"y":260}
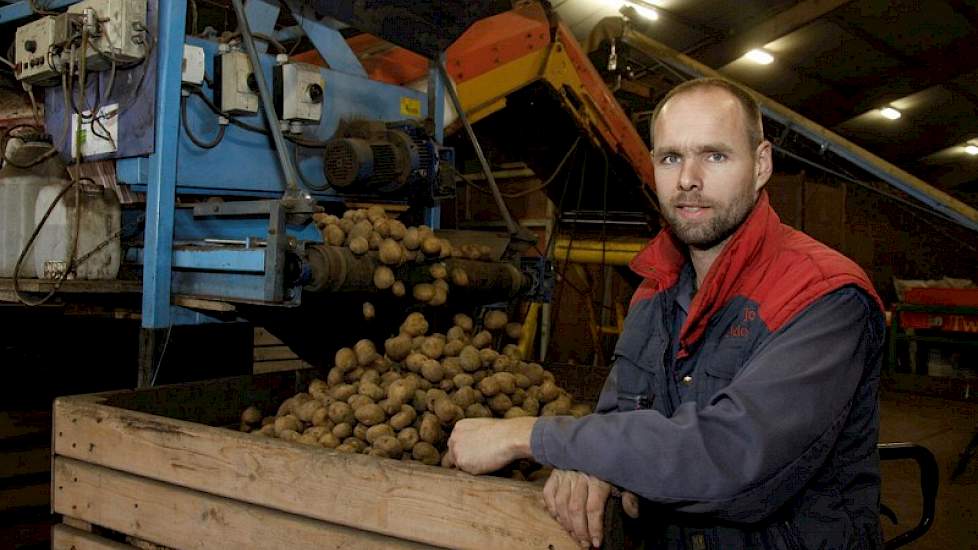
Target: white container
{"x":19,"y":188}
{"x":100,"y":220}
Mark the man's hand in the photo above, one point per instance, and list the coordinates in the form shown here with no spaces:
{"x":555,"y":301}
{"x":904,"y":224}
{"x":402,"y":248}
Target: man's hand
{"x":577,"y":500}
{"x":482,"y":445}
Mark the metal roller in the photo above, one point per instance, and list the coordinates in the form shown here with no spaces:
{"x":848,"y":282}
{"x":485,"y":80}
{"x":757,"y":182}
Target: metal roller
{"x":337,"y":269}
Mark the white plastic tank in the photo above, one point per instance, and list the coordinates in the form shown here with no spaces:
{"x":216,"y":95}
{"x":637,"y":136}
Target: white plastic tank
{"x":19,"y":187}
{"x":100,"y":218}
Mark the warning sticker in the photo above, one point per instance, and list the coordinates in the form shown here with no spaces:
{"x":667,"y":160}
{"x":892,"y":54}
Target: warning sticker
{"x":410,"y":107}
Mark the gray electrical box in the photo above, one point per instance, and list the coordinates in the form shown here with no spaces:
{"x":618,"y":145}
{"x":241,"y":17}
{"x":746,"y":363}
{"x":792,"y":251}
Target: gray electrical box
{"x":236,"y":88}
{"x":299,"y":92}
{"x":116,"y":29}
{"x":37,"y":45}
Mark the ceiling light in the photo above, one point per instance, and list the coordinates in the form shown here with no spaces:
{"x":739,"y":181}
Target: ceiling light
{"x":971,"y":150}
{"x":890,"y":113}
{"x":760,"y":57}
{"x":642,"y":8}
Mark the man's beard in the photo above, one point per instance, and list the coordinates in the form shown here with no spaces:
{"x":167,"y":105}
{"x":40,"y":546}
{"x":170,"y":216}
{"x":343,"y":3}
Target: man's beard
{"x":706,"y":235}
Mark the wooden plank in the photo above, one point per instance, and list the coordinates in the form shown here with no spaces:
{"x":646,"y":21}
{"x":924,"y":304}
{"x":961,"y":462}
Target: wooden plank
{"x":422,"y":503}
{"x":265,"y":338}
{"x":25,"y":496}
{"x":64,"y":537}
{"x":274,"y":353}
{"x":200,"y":303}
{"x":264,"y":367}
{"x":76,"y":523}
{"x":183,"y":518}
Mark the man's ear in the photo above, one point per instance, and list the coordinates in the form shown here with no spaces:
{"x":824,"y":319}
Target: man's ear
{"x":763,"y":165}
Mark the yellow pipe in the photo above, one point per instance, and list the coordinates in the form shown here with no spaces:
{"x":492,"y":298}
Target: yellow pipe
{"x":618,"y":253}
{"x":529,"y":332}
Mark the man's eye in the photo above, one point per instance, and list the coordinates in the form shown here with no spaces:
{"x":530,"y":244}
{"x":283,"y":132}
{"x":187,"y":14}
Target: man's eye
{"x":669,"y":159}
{"x":717,"y":157}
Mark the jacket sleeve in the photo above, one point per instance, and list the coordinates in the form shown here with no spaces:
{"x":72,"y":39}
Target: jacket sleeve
{"x":760,"y":439}
{"x":608,"y":400}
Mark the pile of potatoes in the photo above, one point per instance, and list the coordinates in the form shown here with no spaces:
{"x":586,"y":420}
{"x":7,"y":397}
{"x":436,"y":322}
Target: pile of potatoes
{"x":372,"y":231}
{"x":403,"y":403}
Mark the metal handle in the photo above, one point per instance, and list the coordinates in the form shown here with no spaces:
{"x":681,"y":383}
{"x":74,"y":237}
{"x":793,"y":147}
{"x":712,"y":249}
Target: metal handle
{"x":929,"y":482}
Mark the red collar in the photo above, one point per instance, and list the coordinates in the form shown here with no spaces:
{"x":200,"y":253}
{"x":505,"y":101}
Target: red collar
{"x":752,"y":245}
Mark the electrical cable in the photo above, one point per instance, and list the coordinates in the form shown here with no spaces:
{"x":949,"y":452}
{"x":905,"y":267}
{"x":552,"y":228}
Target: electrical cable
{"x":194,"y":139}
{"x":325,"y":185}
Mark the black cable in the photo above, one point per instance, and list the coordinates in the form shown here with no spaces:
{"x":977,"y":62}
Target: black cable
{"x":190,"y":134}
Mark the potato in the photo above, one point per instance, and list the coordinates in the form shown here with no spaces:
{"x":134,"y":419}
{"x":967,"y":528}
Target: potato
{"x":548,"y":391}
{"x":502,"y":363}
{"x":438,"y":271}
{"x":346,"y":225}
{"x":558,"y":407}
{"x":398,"y":347}
{"x":383,"y":277}
{"x":244,"y":427}
{"x":287,"y":422}
{"x":414,"y":325}
{"x":462,"y":380}
{"x":345,"y":359}
{"x":400,"y":391}
{"x":389,"y":445}
{"x":440,"y":296}
{"x":489,"y":386}
{"x":374,"y":240}
{"x":383,"y":228}
{"x":446,"y":249}
{"x":500,"y":403}
{"x":423,"y":292}
{"x":397,"y":229}
{"x":477,"y":410}
{"x":359,"y":245}
{"x":408,"y":438}
{"x":329,"y":441}
{"x":531,"y":406}
{"x":341,"y":412}
{"x":372,"y":376}
{"x":506,"y":381}
{"x":464,"y":396}
{"x":357,"y":443}
{"x":487,"y":356}
{"x":479,"y":376}
{"x":389,"y":407}
{"x":343,"y":392}
{"x":547,"y":375}
{"x":318,"y":388}
{"x":286,"y":407}
{"x":453,"y":348}
{"x":346,"y":448}
{"x":321,"y":417}
{"x":411,"y":240}
{"x":522,"y":381}
{"x":426,"y":453}
{"x":535,"y":373}
{"x":353,"y":376}
{"x":404,"y":418}
{"x":459,"y":277}
{"x":432,"y":371}
{"x":370,"y":415}
{"x":335,"y":377}
{"x":371,"y":390}
{"x":446,"y":385}
{"x":365,"y":352}
{"x":251,"y":415}
{"x":343,"y":430}
{"x":430,"y":430}
{"x":433,"y":347}
{"x":515,"y":412}
{"x":469,"y":358}
{"x":376,"y":214}
{"x":518,"y":397}
{"x":390,"y":252}
{"x":267,"y":430}
{"x":334,"y":235}
{"x":514,"y":330}
{"x":368,"y":311}
{"x":316,"y":431}
{"x":431,"y":246}
{"x":289,"y":435}
{"x":433,"y":395}
{"x":420,"y":401}
{"x":375,"y":432}
{"x":513,"y":351}
{"x":306,"y":410}
{"x":360,"y":432}
{"x":495,"y":319}
{"x":389,"y":377}
{"x":482,"y":339}
{"x":362,"y":228}
{"x":415,"y":361}
{"x":464,"y":322}
{"x":398,"y":289}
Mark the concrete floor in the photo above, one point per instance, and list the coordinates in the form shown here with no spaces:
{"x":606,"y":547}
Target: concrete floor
{"x":944,"y":427}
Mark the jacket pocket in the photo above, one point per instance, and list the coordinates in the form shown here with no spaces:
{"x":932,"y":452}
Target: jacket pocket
{"x":634,"y":386}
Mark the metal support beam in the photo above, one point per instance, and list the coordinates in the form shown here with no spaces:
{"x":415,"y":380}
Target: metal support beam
{"x":23,"y":9}
{"x":801,"y":14}
{"x":936,"y":199}
{"x":327,"y":39}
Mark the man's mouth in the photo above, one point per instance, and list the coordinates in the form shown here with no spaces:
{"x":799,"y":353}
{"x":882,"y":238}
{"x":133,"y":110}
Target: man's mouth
{"x":691,"y":210}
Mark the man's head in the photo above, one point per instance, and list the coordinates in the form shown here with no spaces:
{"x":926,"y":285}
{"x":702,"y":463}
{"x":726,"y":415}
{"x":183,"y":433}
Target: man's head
{"x":710,"y":159}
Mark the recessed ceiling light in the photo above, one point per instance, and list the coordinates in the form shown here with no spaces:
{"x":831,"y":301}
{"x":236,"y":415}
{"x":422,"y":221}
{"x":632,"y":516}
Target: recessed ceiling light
{"x":760,"y":57}
{"x":971,"y":150}
{"x":890,"y":113}
{"x":642,"y":8}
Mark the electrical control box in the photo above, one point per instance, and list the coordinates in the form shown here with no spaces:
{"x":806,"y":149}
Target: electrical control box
{"x":235,"y":86}
{"x":36,"y":47}
{"x":299,"y":91}
{"x":117,"y":29}
{"x":192,"y":68}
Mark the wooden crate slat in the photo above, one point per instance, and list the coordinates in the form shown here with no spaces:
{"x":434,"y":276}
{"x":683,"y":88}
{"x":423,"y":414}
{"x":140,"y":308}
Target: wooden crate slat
{"x":425,"y":504}
{"x":264,"y":367}
{"x":265,"y":338}
{"x":69,"y":538}
{"x":183,"y":518}
{"x":273,"y":353}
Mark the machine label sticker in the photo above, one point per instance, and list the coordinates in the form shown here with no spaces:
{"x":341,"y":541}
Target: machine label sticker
{"x":410,"y":107}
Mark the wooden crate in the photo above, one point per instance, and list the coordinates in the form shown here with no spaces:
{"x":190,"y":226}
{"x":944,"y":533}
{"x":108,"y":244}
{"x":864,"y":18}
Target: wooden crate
{"x":161,"y":465}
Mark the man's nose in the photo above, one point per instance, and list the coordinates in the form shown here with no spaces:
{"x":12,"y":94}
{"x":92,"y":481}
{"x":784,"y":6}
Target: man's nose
{"x":689,"y":176}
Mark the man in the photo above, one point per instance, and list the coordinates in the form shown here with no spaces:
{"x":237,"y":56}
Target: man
{"x":742,"y":406}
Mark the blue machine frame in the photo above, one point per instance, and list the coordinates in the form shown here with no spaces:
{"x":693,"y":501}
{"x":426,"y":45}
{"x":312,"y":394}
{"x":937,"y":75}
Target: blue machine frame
{"x":243,"y":164}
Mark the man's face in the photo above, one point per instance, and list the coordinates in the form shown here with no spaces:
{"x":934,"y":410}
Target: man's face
{"x":707,"y":173}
